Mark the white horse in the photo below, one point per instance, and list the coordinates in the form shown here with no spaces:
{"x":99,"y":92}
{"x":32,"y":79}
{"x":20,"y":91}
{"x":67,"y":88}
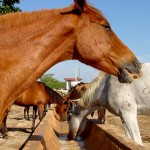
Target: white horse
{"x":123,"y":100}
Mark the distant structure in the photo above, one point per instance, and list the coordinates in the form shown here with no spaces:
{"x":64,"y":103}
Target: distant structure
{"x":71,"y":82}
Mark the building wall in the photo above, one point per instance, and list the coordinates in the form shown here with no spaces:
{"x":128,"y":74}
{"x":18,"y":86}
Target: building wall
{"x":70,"y":84}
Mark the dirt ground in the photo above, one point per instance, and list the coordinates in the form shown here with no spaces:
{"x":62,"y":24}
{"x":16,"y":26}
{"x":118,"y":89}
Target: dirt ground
{"x":20,"y":129}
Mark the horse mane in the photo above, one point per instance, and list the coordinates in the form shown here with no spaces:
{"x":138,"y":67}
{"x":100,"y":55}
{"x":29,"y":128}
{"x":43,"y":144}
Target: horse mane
{"x":19,"y":18}
{"x":56,"y":98}
{"x":80,"y":83}
{"x":89,"y":96}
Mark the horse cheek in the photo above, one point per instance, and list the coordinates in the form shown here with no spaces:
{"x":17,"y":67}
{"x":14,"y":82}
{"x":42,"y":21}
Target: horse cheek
{"x":85,"y":44}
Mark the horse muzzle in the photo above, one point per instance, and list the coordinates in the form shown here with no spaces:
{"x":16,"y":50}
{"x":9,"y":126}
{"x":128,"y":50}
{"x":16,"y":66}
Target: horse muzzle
{"x":130,"y":72}
{"x":71,"y":136}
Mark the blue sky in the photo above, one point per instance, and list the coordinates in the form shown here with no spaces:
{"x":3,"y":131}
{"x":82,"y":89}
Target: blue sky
{"x":129,"y":19}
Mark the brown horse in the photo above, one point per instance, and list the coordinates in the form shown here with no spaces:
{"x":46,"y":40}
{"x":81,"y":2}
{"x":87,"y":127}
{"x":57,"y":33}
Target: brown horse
{"x":77,"y":91}
{"x":33,"y":42}
{"x":38,"y":95}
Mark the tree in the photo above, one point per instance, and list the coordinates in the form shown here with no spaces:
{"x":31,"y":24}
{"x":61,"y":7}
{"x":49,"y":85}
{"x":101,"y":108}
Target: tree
{"x":7,"y":6}
{"x":51,"y":82}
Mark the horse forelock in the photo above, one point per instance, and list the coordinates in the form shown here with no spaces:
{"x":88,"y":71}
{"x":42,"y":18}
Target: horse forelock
{"x":89,"y":97}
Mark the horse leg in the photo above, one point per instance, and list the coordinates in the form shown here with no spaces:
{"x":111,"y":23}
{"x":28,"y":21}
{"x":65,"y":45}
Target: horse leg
{"x":101,"y":114}
{"x":49,"y":105}
{"x":4,"y":129}
{"x":131,"y":127}
{"x":45,"y":109}
{"x":40,"y":111}
{"x":33,"y":113}
{"x":34,"y":117}
{"x":26,"y":112}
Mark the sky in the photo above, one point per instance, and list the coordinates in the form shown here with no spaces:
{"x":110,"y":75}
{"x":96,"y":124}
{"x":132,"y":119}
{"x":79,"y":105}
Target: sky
{"x":129,"y":19}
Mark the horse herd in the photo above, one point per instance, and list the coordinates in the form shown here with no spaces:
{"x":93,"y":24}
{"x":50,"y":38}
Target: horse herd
{"x":44,"y":38}
{"x":104,"y":92}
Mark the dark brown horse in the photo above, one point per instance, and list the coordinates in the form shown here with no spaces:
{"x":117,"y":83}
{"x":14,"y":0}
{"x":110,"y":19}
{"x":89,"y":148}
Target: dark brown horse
{"x":38,"y":95}
{"x":33,"y":42}
{"x":77,"y":91}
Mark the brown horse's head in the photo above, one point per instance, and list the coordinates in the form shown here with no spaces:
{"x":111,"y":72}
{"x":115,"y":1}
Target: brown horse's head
{"x":60,"y":111}
{"x":77,"y":91}
{"x":97,"y":45}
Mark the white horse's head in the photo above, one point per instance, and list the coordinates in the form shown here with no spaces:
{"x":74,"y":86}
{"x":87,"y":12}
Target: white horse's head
{"x":76,"y":122}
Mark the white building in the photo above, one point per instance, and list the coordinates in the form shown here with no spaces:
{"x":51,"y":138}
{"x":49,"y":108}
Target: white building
{"x":71,"y":82}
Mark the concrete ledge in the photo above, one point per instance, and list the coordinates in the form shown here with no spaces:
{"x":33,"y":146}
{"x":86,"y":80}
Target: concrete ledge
{"x":44,"y":136}
{"x":106,"y":137}
{"x":97,"y":136}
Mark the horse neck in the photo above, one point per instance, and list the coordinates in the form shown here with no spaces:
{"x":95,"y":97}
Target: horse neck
{"x":43,"y":31}
{"x":41,"y":38}
{"x":67,"y":97}
{"x":73,"y":94}
{"x":54,"y":96}
{"x":91,"y":95}
{"x":77,"y":91}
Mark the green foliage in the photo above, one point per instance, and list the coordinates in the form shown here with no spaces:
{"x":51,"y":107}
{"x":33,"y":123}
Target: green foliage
{"x":51,"y":82}
{"x":7,"y":6}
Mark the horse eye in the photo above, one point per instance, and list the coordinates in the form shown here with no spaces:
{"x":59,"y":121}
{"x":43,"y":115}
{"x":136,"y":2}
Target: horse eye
{"x":106,"y":26}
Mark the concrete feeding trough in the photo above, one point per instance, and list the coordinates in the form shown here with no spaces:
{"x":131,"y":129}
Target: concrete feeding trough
{"x":52,"y":135}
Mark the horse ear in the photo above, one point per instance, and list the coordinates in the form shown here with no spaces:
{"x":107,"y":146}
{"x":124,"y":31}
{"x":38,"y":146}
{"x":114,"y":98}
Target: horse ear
{"x":65,"y":102}
{"x":80,"y":5}
{"x":78,"y":8}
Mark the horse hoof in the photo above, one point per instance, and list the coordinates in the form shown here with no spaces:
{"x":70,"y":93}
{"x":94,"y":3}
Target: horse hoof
{"x":33,"y":128}
{"x":1,"y":136}
{"x":4,"y":135}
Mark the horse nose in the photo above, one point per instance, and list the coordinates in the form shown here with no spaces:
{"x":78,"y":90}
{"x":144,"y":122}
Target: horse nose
{"x":135,"y":69}
{"x":138,"y":64}
{"x":130,"y":72}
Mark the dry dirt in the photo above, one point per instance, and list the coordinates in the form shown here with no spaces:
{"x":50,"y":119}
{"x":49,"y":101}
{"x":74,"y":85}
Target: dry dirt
{"x":20,"y":129}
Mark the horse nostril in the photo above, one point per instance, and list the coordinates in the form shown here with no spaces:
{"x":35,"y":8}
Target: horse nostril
{"x":134,"y":68}
{"x":135,"y":76}
{"x":128,"y":70}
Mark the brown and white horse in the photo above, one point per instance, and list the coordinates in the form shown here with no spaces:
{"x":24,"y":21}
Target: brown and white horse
{"x":33,"y":42}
